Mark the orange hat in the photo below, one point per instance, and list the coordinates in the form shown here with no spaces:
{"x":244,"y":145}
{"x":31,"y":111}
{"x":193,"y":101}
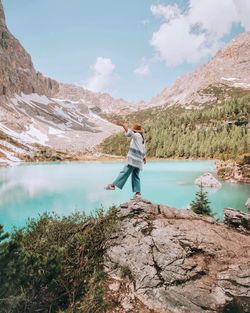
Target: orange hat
{"x":137,"y":128}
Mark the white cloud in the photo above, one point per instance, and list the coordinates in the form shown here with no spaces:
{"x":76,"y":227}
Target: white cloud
{"x":102,"y":75}
{"x":215,"y":17}
{"x":190,"y":36}
{"x":243,"y":9}
{"x":142,"y":70}
{"x":167,"y":11}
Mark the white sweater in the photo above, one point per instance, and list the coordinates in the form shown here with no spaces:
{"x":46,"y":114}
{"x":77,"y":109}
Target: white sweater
{"x":137,"y":149}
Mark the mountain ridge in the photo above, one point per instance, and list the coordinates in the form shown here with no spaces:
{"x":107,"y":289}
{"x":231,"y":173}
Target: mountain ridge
{"x":35,"y":109}
{"x":229,"y":67}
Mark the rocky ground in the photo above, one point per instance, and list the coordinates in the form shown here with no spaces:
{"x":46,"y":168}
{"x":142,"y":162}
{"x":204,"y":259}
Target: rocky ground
{"x":166,"y":260}
{"x":234,"y":171}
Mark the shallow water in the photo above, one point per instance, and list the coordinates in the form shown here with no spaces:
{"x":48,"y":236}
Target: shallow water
{"x":30,"y":189}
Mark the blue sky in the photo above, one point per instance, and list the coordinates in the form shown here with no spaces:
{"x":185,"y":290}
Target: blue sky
{"x":132,"y":49}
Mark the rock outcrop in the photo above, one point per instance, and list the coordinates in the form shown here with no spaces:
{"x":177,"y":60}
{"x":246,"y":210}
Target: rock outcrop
{"x":207,"y":180}
{"x":236,"y":172}
{"x":247,"y":204}
{"x":166,"y":260}
{"x":17,"y":73}
{"x":237,"y":219}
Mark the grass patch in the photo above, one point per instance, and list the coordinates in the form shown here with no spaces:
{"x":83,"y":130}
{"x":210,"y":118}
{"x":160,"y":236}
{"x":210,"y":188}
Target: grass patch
{"x":126,"y":272}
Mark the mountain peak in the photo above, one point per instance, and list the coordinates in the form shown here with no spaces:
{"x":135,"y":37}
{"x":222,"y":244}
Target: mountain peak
{"x":2,"y":15}
{"x":230,"y":67}
{"x":35,"y":109}
{"x":17,"y":71}
{"x":236,"y":47}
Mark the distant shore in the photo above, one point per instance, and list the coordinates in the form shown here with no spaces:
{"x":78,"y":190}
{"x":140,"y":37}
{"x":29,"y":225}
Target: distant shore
{"x":101,"y":157}
{"x":229,"y":170}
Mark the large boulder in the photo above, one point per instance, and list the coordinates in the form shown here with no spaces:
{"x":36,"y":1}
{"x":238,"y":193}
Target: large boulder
{"x":207,"y":180}
{"x":166,"y":260}
{"x":247,"y":204}
{"x":237,"y":219}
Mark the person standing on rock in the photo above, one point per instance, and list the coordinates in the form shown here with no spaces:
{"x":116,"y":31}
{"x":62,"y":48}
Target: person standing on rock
{"x":135,"y":159}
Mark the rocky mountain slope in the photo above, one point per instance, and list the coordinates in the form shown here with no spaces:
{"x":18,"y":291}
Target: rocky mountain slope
{"x":35,"y":109}
{"x":230,"y":68}
{"x":17,"y":73}
{"x":97,"y":102}
{"x":164,"y":260}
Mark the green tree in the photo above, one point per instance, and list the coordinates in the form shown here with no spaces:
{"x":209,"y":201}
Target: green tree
{"x":212,"y":131}
{"x":55,"y":264}
{"x":201,"y":204}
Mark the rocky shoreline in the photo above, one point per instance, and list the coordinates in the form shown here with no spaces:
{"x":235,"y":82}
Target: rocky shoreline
{"x":46,"y":154}
{"x":164,"y":260}
{"x":234,"y":171}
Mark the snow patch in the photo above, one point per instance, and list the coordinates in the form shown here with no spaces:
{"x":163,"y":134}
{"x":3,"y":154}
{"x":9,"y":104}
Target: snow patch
{"x":64,"y":100}
{"x":11,"y":147}
{"x":242,"y":85}
{"x":35,"y":134}
{"x":19,"y":137}
{"x":5,"y":162}
{"x":230,"y":79}
{"x":33,"y":97}
{"x":55,"y":131}
{"x":10,"y":156}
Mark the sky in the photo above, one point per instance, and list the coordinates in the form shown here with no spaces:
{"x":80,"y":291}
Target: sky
{"x":132,"y":49}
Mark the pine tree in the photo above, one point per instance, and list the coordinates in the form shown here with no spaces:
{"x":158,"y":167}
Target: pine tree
{"x":209,"y":132}
{"x":201,"y":204}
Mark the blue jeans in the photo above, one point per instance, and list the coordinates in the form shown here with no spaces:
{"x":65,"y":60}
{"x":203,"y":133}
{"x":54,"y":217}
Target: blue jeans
{"x":124,"y":175}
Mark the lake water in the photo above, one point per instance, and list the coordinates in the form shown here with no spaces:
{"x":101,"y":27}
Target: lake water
{"x":30,"y":189}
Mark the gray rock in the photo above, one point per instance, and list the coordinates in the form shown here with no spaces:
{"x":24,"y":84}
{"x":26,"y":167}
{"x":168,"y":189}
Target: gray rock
{"x":247,"y":204}
{"x":207,"y":180}
{"x":237,"y":219}
{"x":178,"y":261}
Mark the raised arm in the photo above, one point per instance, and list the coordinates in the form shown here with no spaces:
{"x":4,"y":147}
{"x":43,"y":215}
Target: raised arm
{"x":125,"y":126}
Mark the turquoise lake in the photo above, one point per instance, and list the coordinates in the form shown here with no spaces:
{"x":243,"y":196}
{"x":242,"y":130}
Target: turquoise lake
{"x":28,"y":190}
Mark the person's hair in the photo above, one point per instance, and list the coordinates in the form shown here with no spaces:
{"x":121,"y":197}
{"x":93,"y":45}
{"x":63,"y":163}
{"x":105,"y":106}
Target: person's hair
{"x":142,"y":134}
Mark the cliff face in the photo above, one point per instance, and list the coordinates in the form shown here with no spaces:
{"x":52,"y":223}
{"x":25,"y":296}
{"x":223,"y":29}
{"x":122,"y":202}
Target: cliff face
{"x":166,"y":260}
{"x":17,"y":73}
{"x":230,"y":68}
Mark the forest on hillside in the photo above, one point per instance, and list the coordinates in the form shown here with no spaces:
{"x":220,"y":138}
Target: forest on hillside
{"x":215,"y":131}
